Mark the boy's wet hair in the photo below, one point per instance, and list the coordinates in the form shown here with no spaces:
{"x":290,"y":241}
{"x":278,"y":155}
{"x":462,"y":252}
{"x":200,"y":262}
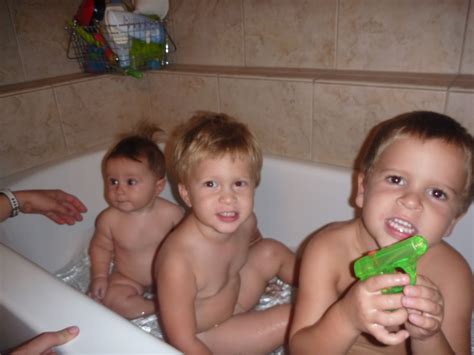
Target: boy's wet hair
{"x":423,"y":125}
{"x":211,"y":135}
{"x":141,"y":147}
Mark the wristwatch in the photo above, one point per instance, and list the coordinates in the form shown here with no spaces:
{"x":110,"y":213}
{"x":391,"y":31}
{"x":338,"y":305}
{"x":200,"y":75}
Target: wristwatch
{"x":13,"y":201}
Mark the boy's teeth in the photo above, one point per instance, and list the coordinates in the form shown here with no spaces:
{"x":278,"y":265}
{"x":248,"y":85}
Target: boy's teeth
{"x":401,"y":226}
{"x":228,"y":214}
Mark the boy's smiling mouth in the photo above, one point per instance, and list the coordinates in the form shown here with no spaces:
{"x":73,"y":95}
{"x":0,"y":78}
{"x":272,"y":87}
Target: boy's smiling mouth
{"x":401,"y":226}
{"x":228,"y":216}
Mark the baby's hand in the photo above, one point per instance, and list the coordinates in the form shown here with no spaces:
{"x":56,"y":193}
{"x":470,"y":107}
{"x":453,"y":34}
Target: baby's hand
{"x":425,"y":305}
{"x":371,"y":311}
{"x":98,"y":288}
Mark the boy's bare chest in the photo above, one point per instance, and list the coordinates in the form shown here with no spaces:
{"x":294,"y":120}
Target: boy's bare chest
{"x":220,"y":268}
{"x":138,"y":236}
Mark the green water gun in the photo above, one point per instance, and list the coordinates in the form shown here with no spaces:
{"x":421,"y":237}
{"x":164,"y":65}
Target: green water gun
{"x":401,"y":256}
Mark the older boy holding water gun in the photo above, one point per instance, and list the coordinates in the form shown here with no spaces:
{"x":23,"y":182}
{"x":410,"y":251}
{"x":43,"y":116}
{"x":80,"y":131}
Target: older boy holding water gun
{"x":416,"y":178}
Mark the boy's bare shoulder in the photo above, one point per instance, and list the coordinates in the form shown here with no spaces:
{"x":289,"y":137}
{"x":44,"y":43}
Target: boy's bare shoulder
{"x":333,"y":238}
{"x":180,"y":239}
{"x":445,"y":264}
{"x":447,"y":268}
{"x":177,"y":248}
{"x":168,"y":210}
{"x":107,"y":215}
{"x":163,"y":203}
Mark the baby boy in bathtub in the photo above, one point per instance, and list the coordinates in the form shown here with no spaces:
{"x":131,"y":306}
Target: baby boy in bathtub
{"x":130,"y":230}
{"x":212,"y":269}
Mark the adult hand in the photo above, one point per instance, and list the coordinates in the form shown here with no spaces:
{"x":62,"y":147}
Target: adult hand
{"x":57,"y":205}
{"x":44,"y":343}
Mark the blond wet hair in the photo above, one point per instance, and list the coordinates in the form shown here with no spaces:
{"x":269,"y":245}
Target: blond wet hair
{"x":209,"y":135}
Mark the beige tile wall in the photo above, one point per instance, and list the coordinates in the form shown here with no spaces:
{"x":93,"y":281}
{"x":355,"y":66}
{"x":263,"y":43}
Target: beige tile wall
{"x":31,"y":131}
{"x":402,"y":35}
{"x":309,"y":77}
{"x":298,"y":34}
{"x":39,"y":39}
{"x":467,"y":64}
{"x":425,"y":36}
{"x":11,"y":69}
{"x":428,"y":36}
{"x":308,"y":117}
{"x":278,"y":111}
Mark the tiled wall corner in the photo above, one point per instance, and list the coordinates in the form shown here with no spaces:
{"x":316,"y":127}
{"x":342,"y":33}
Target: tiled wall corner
{"x":402,"y":35}
{"x":461,"y":107}
{"x":467,"y":64}
{"x":31,"y":131}
{"x":298,"y":34}
{"x":277,"y":111}
{"x":42,"y":39}
{"x":344,"y":114}
{"x":208,"y":32}
{"x":11,"y":70}
{"x":95,"y":111}
{"x":175,"y":97}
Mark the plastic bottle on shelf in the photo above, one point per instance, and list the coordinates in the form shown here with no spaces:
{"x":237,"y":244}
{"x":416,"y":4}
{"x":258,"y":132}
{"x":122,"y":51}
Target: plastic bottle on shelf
{"x":155,"y":63}
{"x":117,"y":34}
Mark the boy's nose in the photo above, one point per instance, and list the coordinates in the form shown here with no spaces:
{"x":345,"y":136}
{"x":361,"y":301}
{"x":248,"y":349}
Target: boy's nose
{"x":120,"y":189}
{"x":227,"y":197}
{"x":411,"y":200}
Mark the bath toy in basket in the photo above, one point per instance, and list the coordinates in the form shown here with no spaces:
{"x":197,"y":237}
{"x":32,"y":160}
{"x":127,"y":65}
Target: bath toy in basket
{"x":399,"y":256}
{"x":97,"y":55}
{"x":138,"y":40}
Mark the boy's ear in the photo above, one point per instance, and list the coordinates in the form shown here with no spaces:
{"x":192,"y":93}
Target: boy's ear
{"x":453,"y":224}
{"x":184,"y":194}
{"x":160,"y":185}
{"x":359,"y":200}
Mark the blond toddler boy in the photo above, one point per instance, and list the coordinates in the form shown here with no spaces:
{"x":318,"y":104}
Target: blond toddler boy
{"x":213,"y":268}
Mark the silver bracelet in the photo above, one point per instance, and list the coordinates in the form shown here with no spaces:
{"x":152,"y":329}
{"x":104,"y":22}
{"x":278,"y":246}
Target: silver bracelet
{"x":13,"y":201}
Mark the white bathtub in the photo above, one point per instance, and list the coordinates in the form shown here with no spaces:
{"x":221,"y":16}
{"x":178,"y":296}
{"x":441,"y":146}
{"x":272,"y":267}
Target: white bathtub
{"x":293,"y":200}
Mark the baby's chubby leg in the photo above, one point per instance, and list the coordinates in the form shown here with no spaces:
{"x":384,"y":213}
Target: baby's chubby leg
{"x":267,"y":258}
{"x":253,"y":332}
{"x":125,"y":297}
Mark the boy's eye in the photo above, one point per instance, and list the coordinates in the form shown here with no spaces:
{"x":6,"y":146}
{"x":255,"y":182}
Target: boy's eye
{"x":438,"y":194}
{"x":396,"y":180}
{"x":113,"y":181}
{"x":210,"y":184}
{"x":241,"y":183}
{"x":131,"y":182}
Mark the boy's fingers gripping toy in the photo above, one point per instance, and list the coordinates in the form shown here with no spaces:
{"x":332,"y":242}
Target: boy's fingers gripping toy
{"x":399,"y":256}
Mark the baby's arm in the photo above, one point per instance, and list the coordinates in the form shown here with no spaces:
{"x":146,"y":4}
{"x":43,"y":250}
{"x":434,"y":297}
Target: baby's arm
{"x":440,"y":313}
{"x":100,"y":251}
{"x":176,"y":290}
{"x":331,"y":323}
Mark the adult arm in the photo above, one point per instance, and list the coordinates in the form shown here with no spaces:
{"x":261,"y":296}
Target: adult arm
{"x":57,"y":205}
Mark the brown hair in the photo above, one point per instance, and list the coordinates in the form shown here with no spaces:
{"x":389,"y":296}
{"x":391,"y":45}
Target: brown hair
{"x":211,"y":135}
{"x":140,"y":146}
{"x":423,"y":125}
